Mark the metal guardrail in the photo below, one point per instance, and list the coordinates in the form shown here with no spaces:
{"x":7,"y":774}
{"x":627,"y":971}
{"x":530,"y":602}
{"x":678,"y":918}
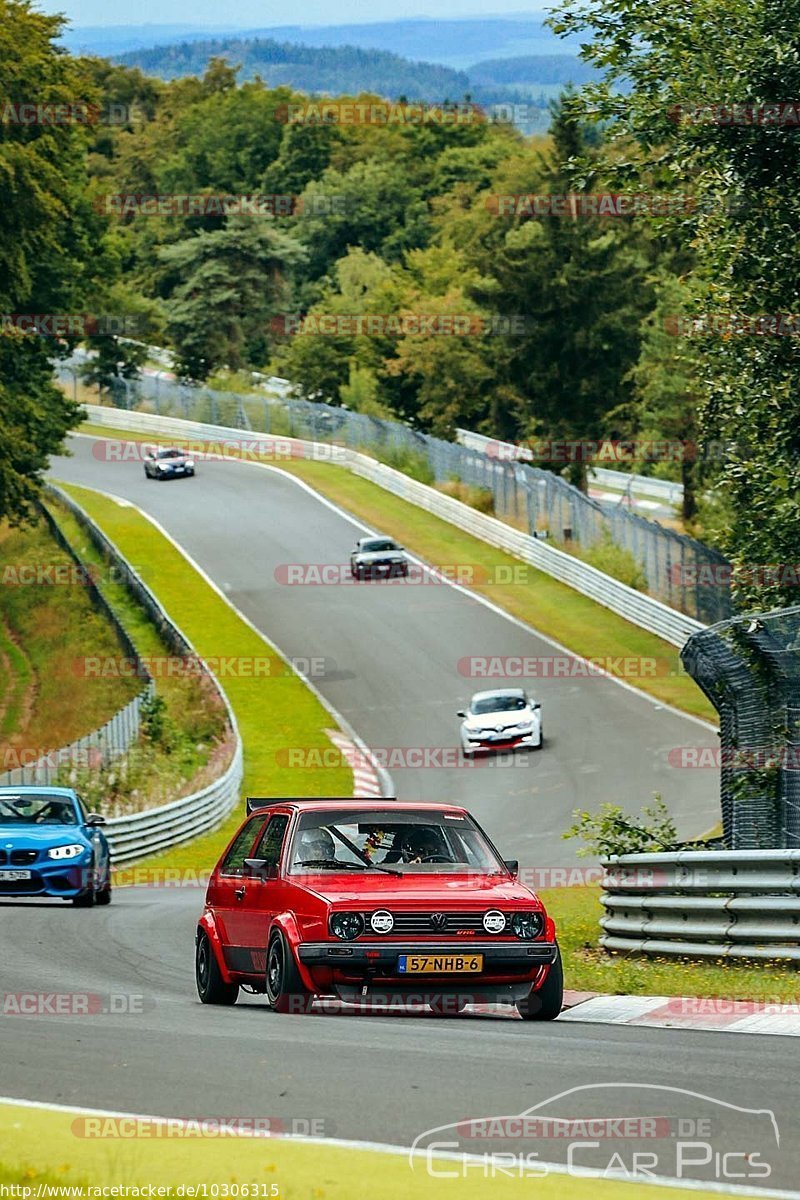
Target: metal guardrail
{"x":668,"y":490}
{"x":677,"y":568}
{"x":140,"y":834}
{"x":636,"y":607}
{"x":704,"y":904}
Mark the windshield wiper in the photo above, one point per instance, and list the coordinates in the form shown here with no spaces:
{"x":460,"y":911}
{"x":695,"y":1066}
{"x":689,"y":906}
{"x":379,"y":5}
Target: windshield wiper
{"x":346,"y":866}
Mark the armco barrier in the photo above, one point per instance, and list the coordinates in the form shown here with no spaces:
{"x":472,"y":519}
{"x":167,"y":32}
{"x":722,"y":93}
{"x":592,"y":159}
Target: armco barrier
{"x":704,"y":904}
{"x":143,"y":833}
{"x":639,"y":609}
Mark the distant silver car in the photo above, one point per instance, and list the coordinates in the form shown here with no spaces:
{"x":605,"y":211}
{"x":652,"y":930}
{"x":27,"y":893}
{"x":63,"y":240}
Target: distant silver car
{"x":376,"y":556}
{"x":501,"y":720}
{"x":166,"y":462}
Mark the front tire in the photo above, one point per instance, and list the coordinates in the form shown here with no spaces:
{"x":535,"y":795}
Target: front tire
{"x":284,"y":987}
{"x":211,"y":987}
{"x":546,"y":1003}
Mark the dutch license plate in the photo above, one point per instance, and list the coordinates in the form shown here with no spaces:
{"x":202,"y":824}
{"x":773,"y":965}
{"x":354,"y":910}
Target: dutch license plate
{"x":6,"y":876}
{"x":439,"y":964}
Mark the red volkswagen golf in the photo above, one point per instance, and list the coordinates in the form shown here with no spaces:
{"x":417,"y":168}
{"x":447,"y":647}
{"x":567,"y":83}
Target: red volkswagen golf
{"x":375,"y":902}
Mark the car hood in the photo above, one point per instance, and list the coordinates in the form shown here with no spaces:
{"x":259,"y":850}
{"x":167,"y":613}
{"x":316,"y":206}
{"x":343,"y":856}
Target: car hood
{"x":174,"y":462}
{"x":500,"y":720}
{"x":38,"y":837}
{"x":428,"y":892}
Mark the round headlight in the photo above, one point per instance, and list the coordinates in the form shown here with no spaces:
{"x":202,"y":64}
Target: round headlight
{"x":382,"y":921}
{"x":527,"y":925}
{"x":347,"y":925}
{"x":494,"y":921}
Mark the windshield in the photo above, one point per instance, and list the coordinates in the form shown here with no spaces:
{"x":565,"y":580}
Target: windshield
{"x":170,"y":454}
{"x":490,"y":704}
{"x":42,"y":809}
{"x":403,"y":842}
{"x":378,"y":544}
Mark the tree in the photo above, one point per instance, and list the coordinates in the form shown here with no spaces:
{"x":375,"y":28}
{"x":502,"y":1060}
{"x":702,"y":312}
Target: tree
{"x":578,"y":284}
{"x":47,"y":236}
{"x":678,"y":64}
{"x":34,"y":418}
{"x":223,"y":289}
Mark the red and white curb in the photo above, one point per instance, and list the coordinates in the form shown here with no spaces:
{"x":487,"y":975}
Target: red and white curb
{"x":687,"y":1012}
{"x":366,"y":780}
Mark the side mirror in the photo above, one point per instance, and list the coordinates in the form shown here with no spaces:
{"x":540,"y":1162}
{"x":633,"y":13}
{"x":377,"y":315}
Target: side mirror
{"x":461,"y":713}
{"x":536,"y":707}
{"x":512,"y":865}
{"x":95,"y":819}
{"x":260,"y":868}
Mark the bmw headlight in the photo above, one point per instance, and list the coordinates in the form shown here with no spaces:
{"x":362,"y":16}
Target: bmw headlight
{"x":527,"y":925}
{"x":66,"y":851}
{"x":189,"y":463}
{"x":346,"y":925}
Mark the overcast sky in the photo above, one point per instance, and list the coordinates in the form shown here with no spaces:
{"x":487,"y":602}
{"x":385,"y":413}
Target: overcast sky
{"x":251,"y":14}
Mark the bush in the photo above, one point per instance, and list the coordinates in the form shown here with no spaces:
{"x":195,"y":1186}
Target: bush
{"x":410,"y":462}
{"x":615,"y":561}
{"x":609,"y":831}
{"x":476,"y":497}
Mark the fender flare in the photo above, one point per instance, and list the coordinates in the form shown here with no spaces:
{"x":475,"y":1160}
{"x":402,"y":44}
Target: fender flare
{"x":287,"y":925}
{"x":208,"y":925}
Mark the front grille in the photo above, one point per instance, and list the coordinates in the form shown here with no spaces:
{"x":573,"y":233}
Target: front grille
{"x":18,"y":858}
{"x":418,"y":924}
{"x":22,"y":858}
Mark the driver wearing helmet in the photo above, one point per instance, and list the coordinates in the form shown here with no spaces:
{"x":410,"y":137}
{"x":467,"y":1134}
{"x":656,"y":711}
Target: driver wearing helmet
{"x":315,"y":845}
{"x":421,"y":843}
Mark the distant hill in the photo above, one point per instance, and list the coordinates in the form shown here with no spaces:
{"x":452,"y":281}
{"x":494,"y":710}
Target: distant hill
{"x":532,"y":70}
{"x":340,"y":69}
{"x":453,"y":43}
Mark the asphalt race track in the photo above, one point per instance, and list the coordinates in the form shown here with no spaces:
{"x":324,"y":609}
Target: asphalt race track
{"x":393,"y":653}
{"x":391,"y":656}
{"x":385,"y":1079}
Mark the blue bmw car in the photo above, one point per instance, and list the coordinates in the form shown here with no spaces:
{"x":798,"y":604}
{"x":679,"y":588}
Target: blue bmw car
{"x":50,"y":846}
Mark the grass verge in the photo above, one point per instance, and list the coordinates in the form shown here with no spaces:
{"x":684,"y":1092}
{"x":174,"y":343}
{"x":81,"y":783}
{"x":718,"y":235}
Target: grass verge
{"x":274,"y":708}
{"x":39,"y":1148}
{"x":587,"y":968}
{"x":549,"y":606}
{"x":47,"y":626}
{"x":185,"y":741}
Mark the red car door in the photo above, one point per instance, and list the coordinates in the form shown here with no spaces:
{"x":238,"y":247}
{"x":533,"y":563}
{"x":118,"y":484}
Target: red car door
{"x":262,"y":894}
{"x":227,"y":891}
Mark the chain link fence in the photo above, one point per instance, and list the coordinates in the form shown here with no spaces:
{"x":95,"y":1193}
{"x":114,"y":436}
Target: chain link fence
{"x":679,"y":570}
{"x":749,"y":668}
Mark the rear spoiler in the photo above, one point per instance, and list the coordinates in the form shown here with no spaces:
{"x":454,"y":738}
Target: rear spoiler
{"x":257,"y":803}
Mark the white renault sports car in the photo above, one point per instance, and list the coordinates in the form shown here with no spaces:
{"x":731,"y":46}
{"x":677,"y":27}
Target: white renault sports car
{"x":501,"y":720}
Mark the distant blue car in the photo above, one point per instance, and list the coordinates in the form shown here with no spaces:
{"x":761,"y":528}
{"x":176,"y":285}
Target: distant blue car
{"x":50,"y":846}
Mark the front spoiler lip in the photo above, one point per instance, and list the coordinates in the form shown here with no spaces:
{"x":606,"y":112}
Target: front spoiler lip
{"x":318,"y":953}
